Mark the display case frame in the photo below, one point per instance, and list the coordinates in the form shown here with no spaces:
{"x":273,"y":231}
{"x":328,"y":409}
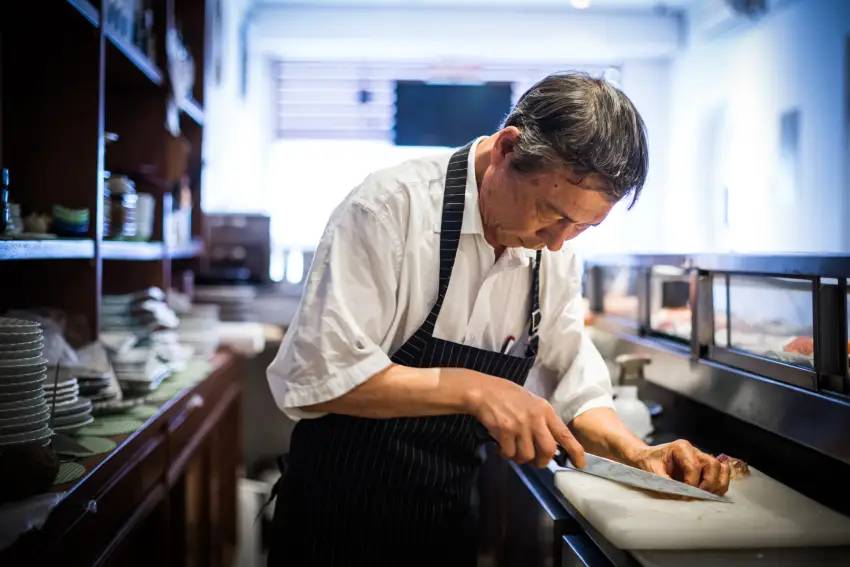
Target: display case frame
{"x":827,"y":276}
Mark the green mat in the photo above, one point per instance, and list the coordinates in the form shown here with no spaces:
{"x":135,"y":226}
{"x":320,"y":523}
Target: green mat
{"x":88,"y":446}
{"x":96,"y":445}
{"x":195,"y":371}
{"x":68,"y":472}
{"x":110,"y":425}
{"x":142,"y":412}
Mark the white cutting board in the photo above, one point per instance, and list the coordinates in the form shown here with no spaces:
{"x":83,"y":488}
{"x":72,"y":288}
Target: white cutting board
{"x":764,"y":513}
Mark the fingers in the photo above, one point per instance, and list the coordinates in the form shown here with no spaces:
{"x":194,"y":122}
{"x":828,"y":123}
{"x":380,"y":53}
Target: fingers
{"x":544,"y":444}
{"x":686,"y":461}
{"x":725,"y":477}
{"x":507,"y":445}
{"x":715,"y":475}
{"x":524,"y":447}
{"x":711,"y":470}
{"x":564,"y":437}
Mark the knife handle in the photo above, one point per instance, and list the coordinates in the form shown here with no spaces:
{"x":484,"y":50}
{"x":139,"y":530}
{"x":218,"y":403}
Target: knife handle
{"x":561,"y":458}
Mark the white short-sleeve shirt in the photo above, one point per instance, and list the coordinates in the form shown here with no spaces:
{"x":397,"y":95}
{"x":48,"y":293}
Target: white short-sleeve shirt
{"x":374,"y":281}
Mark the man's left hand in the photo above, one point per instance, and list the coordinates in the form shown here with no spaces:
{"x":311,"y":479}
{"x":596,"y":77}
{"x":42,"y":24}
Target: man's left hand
{"x":682,"y":461}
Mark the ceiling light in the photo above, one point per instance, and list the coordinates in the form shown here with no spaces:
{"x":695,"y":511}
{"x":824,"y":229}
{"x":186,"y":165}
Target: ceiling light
{"x":580,"y":4}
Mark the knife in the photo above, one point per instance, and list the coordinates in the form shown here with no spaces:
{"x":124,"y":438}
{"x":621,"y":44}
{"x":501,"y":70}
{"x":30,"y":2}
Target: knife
{"x":624,"y":474}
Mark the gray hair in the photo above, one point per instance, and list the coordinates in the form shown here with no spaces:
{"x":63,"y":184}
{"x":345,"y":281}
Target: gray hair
{"x":586,"y":123}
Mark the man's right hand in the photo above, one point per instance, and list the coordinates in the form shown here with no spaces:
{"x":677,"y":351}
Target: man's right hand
{"x":525,"y":426}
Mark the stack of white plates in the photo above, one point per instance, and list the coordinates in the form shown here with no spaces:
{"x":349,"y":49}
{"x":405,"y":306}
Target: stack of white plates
{"x":94,"y":386}
{"x":62,"y":393}
{"x":236,"y":302}
{"x":139,"y":370}
{"x":138,"y":313}
{"x":24,"y":415}
{"x":199,"y":330}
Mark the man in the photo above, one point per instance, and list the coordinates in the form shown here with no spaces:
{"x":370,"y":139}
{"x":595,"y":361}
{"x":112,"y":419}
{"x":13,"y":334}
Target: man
{"x":438,"y":287}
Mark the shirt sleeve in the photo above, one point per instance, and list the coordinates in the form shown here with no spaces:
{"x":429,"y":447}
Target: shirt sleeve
{"x":333,"y":343}
{"x":567,"y":355}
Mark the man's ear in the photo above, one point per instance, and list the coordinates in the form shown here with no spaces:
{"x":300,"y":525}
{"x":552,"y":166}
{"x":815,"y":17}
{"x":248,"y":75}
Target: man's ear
{"x":506,"y":138}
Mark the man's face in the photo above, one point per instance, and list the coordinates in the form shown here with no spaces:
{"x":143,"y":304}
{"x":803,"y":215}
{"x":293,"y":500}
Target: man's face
{"x":537,"y":210}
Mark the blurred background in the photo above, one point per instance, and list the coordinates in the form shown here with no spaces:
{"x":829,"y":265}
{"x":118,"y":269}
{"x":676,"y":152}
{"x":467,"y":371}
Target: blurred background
{"x":745,"y":101}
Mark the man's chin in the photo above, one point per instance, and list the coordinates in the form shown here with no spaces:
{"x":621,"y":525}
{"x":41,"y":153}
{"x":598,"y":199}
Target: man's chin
{"x":530,"y":244}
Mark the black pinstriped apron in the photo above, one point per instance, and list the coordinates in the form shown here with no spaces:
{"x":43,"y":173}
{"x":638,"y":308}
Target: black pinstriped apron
{"x":372,"y":492}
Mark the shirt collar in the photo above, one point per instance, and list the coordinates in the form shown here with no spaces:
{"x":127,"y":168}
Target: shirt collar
{"x":471,"y":223}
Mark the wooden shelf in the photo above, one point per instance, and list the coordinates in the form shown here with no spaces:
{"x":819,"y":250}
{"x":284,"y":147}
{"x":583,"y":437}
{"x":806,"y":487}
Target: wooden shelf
{"x":128,"y":250}
{"x":191,"y":250}
{"x":87,"y":10}
{"x":136,"y":58}
{"x":54,"y":249}
{"x":193,"y":110}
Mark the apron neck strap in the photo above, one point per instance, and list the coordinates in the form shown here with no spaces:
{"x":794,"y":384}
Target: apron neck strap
{"x":454,"y":198}
{"x":534,"y":312}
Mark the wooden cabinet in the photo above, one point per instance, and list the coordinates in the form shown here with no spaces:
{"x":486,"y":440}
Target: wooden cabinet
{"x":69,"y":81}
{"x":165,"y":496}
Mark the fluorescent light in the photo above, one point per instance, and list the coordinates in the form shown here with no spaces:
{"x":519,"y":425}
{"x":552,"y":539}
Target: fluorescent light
{"x":580,"y":4}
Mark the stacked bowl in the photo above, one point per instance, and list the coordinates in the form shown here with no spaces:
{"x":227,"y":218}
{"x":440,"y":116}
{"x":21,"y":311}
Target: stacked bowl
{"x":24,"y":413}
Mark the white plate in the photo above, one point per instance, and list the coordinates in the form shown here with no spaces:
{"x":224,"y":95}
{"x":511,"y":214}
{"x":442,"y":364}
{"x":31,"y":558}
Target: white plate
{"x":17,"y":354}
{"x":28,"y":437}
{"x":21,"y":366}
{"x":23,"y":345}
{"x":17,"y":325}
{"x":66,"y":400}
{"x":28,"y":386}
{"x":11,"y":338}
{"x":25,"y":425}
{"x":24,"y":411}
{"x":17,"y":378}
{"x":30,"y":361}
{"x":21,"y":399}
{"x":20,"y":414}
{"x":74,"y":419}
{"x":80,"y":405}
{"x":75,"y":426}
{"x":64,"y":391}
{"x":103,"y":396}
{"x":61,"y":385}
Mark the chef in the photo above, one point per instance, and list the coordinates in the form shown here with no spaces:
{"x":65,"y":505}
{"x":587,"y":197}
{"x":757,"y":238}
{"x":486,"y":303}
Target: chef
{"x":443,"y":311}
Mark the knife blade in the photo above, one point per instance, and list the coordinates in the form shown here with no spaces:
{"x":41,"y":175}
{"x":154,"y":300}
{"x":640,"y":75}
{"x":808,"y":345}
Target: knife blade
{"x":624,"y":474}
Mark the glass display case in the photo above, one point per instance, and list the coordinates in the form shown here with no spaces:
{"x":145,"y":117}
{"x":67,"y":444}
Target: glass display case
{"x":669,"y":302}
{"x":784,"y":318}
{"x":768,"y":317}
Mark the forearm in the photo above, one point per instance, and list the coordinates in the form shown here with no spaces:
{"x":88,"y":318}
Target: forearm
{"x":403,"y":391}
{"x":602,"y":432}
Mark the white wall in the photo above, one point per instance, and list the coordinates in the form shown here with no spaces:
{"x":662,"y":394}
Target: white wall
{"x":727,"y":94}
{"x":237,"y":131}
